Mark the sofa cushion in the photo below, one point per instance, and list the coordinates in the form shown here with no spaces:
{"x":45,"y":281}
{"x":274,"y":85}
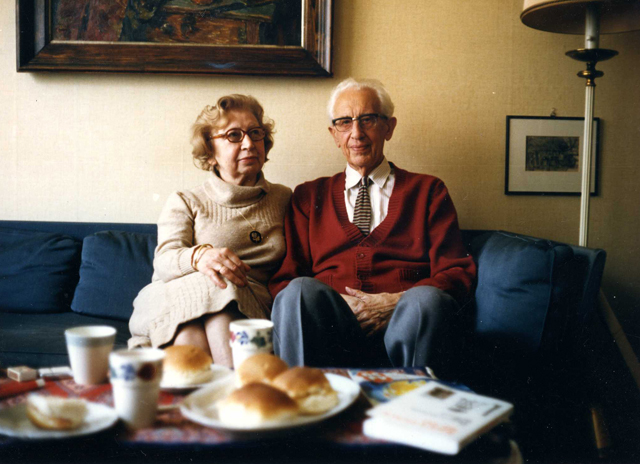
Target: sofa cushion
{"x":39,"y":271}
{"x":522,"y":295}
{"x":115,"y":267}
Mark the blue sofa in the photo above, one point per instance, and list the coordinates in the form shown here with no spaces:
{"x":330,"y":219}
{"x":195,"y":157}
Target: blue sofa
{"x":532,"y":300}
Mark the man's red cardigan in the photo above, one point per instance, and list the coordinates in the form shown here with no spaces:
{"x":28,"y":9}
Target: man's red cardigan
{"x":418,"y":243}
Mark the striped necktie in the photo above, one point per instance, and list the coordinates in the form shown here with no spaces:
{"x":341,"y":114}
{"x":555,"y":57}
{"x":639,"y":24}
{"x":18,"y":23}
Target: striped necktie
{"x":362,"y":212}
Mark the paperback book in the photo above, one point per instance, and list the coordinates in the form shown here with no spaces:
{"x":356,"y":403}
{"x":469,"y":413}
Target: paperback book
{"x":436,"y":417}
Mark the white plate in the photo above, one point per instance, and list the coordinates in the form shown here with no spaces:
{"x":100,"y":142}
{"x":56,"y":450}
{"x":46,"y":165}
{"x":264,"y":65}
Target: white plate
{"x":201,"y":407}
{"x":219,"y":372}
{"x":15,"y":423}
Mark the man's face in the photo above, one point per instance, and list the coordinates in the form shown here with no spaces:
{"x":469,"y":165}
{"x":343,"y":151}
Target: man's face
{"x":363,"y":148}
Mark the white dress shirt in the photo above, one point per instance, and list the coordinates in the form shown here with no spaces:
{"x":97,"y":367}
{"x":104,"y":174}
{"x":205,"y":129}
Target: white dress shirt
{"x":380,"y":190}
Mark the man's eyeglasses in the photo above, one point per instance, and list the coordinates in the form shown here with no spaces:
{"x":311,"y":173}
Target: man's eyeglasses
{"x":367,"y":121}
{"x":237,"y":135}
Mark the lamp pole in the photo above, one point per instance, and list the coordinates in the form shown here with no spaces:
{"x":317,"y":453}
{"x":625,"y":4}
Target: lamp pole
{"x":591,"y":54}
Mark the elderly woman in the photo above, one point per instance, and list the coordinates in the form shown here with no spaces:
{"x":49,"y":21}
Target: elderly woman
{"x":219,"y":243}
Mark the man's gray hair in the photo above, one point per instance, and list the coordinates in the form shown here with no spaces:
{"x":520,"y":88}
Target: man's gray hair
{"x":386,"y":105}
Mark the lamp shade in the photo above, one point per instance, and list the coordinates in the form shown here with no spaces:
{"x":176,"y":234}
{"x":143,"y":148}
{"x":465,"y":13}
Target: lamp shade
{"x":568,"y":16}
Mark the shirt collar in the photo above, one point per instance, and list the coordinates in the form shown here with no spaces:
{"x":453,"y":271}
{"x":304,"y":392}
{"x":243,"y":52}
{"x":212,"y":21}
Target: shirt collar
{"x":379,"y":175}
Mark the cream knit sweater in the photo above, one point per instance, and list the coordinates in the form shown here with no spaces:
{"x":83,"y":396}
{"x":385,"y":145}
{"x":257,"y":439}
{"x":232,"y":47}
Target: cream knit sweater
{"x":210,"y":213}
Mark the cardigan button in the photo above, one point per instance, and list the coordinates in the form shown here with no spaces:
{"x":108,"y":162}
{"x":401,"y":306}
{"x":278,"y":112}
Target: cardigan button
{"x":360,"y":255}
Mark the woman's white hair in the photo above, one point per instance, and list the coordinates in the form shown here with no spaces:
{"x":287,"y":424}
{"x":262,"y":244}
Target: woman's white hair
{"x":386,"y":105}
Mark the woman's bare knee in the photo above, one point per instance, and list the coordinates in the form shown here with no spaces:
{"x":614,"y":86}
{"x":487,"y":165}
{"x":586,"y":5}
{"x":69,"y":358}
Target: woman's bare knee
{"x":193,"y":333}
{"x":217,"y":330}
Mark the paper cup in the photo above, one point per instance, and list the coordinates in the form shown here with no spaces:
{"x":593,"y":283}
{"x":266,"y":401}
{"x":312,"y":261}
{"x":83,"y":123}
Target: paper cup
{"x":89,"y":348}
{"x":135,"y":379}
{"x":248,"y":337}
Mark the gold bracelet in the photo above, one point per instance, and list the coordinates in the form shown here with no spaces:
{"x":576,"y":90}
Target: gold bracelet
{"x":201,"y":251}
{"x":193,"y":254}
{"x":198,"y":255}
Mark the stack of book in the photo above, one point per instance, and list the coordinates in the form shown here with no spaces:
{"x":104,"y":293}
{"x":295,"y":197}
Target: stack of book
{"x":414,"y":408}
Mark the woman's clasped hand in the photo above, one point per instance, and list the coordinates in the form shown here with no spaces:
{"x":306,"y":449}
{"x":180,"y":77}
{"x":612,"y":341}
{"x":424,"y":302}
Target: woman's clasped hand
{"x":217,"y":263}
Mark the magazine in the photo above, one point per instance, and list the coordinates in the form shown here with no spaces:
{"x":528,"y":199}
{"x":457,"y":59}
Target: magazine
{"x":384,"y":384}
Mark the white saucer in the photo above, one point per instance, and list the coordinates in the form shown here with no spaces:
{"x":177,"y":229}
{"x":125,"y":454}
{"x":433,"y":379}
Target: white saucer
{"x":15,"y":423}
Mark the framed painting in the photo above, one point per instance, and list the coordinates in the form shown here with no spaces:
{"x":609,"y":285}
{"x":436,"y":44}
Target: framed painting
{"x":544,"y":156}
{"x":263,"y":37}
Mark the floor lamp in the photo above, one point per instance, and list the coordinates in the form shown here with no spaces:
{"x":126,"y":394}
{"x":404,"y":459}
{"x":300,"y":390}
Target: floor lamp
{"x":591,"y":18}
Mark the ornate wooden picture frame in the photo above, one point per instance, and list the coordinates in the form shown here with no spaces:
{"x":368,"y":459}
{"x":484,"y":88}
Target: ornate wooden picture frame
{"x":176,"y":36}
{"x":544,"y":156}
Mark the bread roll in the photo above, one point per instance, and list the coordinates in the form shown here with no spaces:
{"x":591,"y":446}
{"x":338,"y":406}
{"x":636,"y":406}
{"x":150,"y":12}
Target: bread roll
{"x":309,"y":387}
{"x":261,"y":367}
{"x":186,"y":365}
{"x":254,"y":405}
{"x":56,"y":413}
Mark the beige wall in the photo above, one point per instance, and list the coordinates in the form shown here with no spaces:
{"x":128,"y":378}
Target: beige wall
{"x":108,"y":147}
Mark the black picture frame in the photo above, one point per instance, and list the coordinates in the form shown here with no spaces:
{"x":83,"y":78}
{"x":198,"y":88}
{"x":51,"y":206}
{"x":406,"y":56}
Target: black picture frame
{"x":36,"y":51}
{"x":543,"y":155}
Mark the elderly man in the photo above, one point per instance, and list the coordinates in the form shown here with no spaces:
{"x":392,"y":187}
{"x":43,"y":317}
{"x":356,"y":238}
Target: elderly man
{"x":375,"y":263}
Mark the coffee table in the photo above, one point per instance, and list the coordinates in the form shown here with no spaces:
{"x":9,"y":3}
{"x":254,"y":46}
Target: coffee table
{"x":173,"y":438}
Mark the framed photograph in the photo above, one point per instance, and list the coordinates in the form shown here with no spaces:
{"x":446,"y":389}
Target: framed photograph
{"x":544,"y":156}
{"x":264,"y":37}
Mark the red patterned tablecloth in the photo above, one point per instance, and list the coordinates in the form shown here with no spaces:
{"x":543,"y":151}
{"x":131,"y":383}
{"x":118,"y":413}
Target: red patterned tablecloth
{"x":172,"y":428}
{"x":174,"y":438}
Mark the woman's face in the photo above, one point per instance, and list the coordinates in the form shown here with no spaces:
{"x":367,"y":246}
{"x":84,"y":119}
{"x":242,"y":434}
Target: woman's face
{"x":238,"y":163}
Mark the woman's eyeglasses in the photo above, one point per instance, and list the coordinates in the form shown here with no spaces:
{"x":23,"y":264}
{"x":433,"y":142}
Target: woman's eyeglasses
{"x":367,"y":121}
{"x":237,"y":135}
